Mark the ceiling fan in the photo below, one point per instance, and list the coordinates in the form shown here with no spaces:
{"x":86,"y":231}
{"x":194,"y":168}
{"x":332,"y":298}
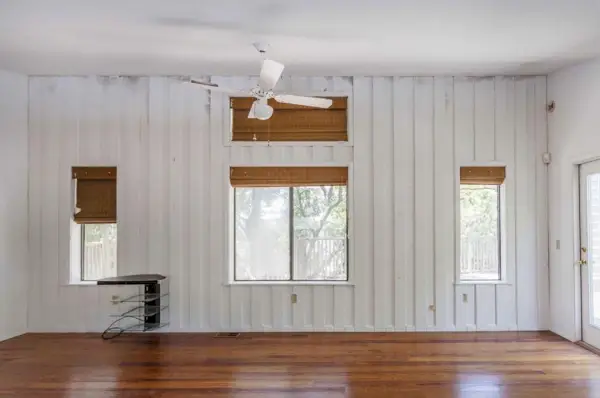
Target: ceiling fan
{"x":269,"y":76}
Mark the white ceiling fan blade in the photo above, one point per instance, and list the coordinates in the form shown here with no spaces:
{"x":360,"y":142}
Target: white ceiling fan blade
{"x":305,"y":101}
{"x":216,"y":87}
{"x":270,"y":74}
{"x":251,"y":114}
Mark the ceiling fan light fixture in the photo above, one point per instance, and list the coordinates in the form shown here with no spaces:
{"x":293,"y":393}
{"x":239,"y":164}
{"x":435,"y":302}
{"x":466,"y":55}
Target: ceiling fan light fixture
{"x":262,"y":110}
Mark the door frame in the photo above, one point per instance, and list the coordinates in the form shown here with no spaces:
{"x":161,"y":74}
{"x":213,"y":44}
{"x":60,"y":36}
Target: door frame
{"x":576,"y":190}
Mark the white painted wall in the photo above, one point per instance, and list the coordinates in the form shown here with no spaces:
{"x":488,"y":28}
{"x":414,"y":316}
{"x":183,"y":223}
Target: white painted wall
{"x":170,"y":144}
{"x":13,"y":204}
{"x":574,"y":137}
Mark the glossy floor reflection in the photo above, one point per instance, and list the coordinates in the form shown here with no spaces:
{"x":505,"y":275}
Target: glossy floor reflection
{"x":401,"y":365}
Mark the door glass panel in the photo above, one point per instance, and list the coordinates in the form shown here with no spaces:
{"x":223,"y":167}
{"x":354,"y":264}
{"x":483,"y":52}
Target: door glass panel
{"x":593,"y":257}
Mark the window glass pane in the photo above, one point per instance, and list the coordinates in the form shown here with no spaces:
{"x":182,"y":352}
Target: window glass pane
{"x":262,"y":230}
{"x":320,"y":233}
{"x":593,"y":246}
{"x":99,"y":251}
{"x":479,"y":232}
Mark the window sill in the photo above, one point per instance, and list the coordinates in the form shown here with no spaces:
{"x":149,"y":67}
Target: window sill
{"x":288,"y":283}
{"x":81,"y":283}
{"x":289,"y":143}
{"x":482,"y":282}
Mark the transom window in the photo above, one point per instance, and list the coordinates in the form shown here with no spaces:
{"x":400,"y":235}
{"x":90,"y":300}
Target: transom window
{"x":291,"y":224}
{"x":290,"y":122}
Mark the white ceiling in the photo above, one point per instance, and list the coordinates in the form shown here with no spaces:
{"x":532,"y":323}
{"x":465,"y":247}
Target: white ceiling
{"x":312,"y":37}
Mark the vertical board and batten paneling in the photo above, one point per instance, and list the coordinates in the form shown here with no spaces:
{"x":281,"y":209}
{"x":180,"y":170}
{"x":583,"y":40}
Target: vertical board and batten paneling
{"x":444,"y":188}
{"x":404,"y":202}
{"x":14,"y":236}
{"x":525,"y":212}
{"x":541,"y":180}
{"x":485,"y":151}
{"x":362,"y":197}
{"x":408,"y":137}
{"x":383,"y":203}
{"x":464,"y":153}
{"x":424,"y":208}
{"x":505,"y":153}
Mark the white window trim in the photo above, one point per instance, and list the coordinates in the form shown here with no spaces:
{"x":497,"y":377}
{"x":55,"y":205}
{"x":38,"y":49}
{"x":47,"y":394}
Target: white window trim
{"x":288,"y":283}
{"x":505,"y":273}
{"x":228,"y":278}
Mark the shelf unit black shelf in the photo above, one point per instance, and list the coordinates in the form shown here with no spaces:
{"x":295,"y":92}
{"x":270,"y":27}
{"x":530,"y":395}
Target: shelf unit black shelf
{"x":150,"y":306}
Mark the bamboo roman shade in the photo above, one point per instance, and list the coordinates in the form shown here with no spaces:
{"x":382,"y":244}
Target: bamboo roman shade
{"x":287,"y":176}
{"x":290,"y":122}
{"x":96,"y":195}
{"x":493,"y":175}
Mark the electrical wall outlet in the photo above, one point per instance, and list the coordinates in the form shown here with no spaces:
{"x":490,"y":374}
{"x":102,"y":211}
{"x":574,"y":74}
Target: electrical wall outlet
{"x":115,"y":299}
{"x":294,"y":298}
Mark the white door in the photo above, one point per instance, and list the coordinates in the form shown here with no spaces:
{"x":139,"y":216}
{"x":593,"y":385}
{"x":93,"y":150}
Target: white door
{"x":589,"y":209}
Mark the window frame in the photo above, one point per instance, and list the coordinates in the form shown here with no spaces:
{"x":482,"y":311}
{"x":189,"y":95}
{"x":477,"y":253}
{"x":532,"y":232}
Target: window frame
{"x":345,"y":89}
{"x":296,"y":138}
{"x":291,"y":231}
{"x":503,"y":271}
{"x":228,"y":271}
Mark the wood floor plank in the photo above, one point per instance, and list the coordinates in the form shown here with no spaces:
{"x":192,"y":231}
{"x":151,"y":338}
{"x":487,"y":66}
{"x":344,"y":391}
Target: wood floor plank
{"x":521,"y":365}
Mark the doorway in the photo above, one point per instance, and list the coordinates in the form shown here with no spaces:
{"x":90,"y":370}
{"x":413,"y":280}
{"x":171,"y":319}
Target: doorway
{"x":589,"y":211}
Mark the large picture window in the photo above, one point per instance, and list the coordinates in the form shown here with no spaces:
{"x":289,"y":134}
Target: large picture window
{"x":291,"y":224}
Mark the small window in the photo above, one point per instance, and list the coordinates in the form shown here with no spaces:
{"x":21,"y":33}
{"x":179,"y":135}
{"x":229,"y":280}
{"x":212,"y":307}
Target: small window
{"x":94,"y":232}
{"x":99,"y":251}
{"x":290,"y":122}
{"x":480,"y":223}
{"x":290,"y":225}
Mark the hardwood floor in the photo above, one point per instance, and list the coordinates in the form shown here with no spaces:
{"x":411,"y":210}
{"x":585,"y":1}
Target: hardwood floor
{"x":303,"y":365}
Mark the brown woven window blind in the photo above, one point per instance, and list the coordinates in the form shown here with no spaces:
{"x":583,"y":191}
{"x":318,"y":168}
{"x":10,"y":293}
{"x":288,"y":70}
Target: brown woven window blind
{"x":96,"y":195}
{"x":287,"y":176}
{"x":493,"y":175}
{"x":290,"y":122}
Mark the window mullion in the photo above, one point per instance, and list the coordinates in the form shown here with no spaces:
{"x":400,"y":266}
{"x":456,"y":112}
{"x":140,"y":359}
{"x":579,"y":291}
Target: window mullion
{"x":82,"y":276}
{"x":291,"y":238}
{"x":500,"y":237}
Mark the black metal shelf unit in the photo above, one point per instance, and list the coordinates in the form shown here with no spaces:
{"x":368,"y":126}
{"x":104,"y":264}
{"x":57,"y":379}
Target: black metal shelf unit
{"x":142,"y":311}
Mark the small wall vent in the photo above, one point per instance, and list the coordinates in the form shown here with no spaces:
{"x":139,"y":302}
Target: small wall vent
{"x":227,"y":335}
